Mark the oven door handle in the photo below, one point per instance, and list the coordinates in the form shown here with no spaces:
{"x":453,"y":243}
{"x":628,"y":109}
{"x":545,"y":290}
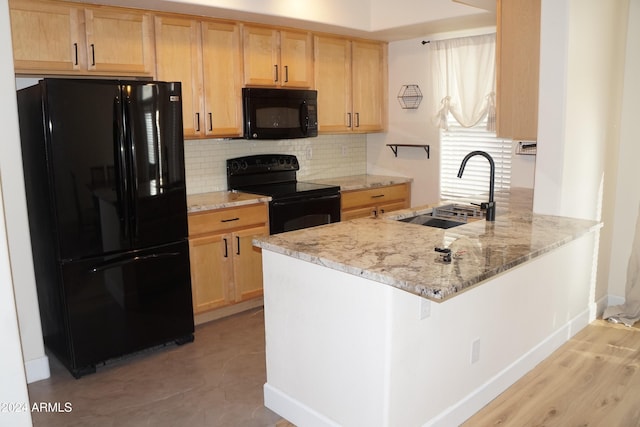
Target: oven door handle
{"x":306,"y":199}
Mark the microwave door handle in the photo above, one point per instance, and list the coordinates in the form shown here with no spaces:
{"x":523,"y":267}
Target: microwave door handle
{"x":304,"y":118}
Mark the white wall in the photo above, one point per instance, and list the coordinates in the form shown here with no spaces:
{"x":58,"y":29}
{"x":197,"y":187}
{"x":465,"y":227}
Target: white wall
{"x":408,"y":64}
{"x":581,"y":76}
{"x":13,"y":389}
{"x":16,"y":212}
{"x":625,"y":199}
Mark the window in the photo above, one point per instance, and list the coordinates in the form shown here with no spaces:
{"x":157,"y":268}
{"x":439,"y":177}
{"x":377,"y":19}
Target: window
{"x":457,"y":142}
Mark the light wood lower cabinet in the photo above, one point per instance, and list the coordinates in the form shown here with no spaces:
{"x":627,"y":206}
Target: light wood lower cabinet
{"x":375,"y":201}
{"x":226,"y":269}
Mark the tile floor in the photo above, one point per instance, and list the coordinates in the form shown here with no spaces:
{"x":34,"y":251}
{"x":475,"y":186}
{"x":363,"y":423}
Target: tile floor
{"x":215,"y":381}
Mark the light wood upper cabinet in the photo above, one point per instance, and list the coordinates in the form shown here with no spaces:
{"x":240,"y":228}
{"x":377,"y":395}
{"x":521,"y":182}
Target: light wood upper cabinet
{"x":369,"y":66}
{"x":178,"y":59}
{"x":119,"y":41}
{"x":333,"y":83}
{"x":45,"y":35}
{"x":205,"y":57}
{"x":351,"y":79}
{"x":276,"y":58}
{"x":222,"y":66}
{"x":296,"y":59}
{"x":68,"y":38}
{"x":518,"y":68}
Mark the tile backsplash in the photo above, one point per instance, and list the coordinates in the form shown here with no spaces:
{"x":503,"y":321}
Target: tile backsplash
{"x":325,"y":156}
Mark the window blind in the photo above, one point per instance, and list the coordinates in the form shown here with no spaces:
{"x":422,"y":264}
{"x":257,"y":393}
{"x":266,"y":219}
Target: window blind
{"x":457,"y":142}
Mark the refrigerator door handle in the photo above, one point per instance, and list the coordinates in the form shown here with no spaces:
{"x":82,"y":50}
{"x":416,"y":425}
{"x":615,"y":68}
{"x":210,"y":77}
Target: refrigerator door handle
{"x":119,"y":262}
{"x":122,"y":180}
{"x":133,"y":215}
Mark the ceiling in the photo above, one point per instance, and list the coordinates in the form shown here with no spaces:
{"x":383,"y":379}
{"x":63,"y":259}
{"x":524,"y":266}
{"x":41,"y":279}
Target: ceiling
{"x":384,"y":20}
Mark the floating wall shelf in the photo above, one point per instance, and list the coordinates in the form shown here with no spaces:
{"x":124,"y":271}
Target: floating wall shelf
{"x":394,"y":147}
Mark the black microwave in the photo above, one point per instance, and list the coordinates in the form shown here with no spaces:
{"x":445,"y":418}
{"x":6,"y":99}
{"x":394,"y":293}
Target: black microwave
{"x":279,"y":113}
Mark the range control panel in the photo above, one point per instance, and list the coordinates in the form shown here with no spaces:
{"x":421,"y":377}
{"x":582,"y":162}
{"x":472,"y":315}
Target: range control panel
{"x":262,"y":163}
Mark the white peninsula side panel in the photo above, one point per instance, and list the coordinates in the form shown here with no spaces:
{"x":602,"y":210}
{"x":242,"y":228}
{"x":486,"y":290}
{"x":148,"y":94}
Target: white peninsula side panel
{"x":344,"y":350}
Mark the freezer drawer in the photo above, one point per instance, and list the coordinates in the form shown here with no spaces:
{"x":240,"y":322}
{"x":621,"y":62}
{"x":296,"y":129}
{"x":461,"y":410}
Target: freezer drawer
{"x":123,"y":303}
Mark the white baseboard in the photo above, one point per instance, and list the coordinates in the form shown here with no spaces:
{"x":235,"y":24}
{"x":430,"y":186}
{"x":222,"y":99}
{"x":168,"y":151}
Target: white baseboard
{"x":37,"y":369}
{"x":292,"y":410}
{"x":484,"y":394}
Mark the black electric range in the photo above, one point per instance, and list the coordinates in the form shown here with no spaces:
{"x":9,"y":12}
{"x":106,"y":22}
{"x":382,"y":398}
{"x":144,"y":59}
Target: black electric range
{"x":295,"y":204}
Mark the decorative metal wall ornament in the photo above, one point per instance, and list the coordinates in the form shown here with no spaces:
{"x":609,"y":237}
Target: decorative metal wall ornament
{"x":410,"y":97}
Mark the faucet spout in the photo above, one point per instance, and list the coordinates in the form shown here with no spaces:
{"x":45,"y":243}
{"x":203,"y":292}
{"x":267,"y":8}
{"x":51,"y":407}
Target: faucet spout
{"x":490,"y":206}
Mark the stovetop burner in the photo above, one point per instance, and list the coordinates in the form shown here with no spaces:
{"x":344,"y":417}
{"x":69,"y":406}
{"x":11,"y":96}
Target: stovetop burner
{"x":272,"y":175}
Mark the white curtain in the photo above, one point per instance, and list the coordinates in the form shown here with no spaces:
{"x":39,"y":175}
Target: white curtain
{"x":463,"y":72}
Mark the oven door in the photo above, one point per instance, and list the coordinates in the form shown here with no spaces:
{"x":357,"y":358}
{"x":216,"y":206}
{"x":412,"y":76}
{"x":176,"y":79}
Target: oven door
{"x":303,"y":212}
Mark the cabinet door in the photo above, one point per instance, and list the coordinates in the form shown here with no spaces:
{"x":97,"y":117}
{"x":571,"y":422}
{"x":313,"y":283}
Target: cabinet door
{"x":211,"y":270}
{"x":296,"y":59}
{"x":45,"y":36}
{"x":222,"y":66}
{"x":261,"y":56}
{"x":518,"y":69}
{"x":119,"y":41}
{"x":247,"y":264}
{"x":177,"y":59}
{"x":333,"y":83}
{"x":369,"y":88}
{"x":363,"y":212}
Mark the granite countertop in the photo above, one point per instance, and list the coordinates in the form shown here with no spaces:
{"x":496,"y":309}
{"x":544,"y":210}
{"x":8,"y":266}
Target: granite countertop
{"x":222,"y":199}
{"x":402,"y":255}
{"x":360,"y":182}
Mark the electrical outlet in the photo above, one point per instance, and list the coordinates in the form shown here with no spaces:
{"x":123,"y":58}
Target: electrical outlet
{"x":425,"y":308}
{"x":475,"y":350}
{"x":309,"y":153}
{"x":344,"y":150}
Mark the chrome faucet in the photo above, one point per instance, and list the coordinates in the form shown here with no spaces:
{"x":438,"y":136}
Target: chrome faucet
{"x":489,"y":206}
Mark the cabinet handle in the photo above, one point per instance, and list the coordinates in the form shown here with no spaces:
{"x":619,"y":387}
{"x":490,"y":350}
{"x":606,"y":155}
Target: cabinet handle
{"x":75,"y":50}
{"x":210,"y":122}
{"x":93,"y":54}
{"x":374,"y":213}
{"x":286,"y":73}
{"x":348,"y":120}
{"x":276,"y":68}
{"x":230,"y":219}
{"x":197,"y":122}
{"x":238,"y":242}
{"x":377,"y":196}
{"x":226,"y":249}
{"x":357,"y":120}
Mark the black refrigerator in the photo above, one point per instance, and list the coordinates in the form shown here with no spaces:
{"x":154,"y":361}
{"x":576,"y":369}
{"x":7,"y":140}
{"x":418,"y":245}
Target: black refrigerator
{"x":105,"y":185}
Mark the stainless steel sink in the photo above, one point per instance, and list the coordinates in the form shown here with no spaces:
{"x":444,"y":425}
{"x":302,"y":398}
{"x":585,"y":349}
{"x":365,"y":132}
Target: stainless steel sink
{"x":447,"y":216}
{"x":429,"y":220}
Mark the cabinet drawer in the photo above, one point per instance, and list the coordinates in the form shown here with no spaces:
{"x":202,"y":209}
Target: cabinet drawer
{"x":374,"y":196}
{"x":227,"y":219}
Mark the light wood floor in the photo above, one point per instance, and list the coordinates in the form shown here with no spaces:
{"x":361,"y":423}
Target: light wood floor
{"x":591,"y":381}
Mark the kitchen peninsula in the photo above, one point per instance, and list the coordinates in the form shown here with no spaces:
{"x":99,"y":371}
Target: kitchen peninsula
{"x":367,"y":325}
